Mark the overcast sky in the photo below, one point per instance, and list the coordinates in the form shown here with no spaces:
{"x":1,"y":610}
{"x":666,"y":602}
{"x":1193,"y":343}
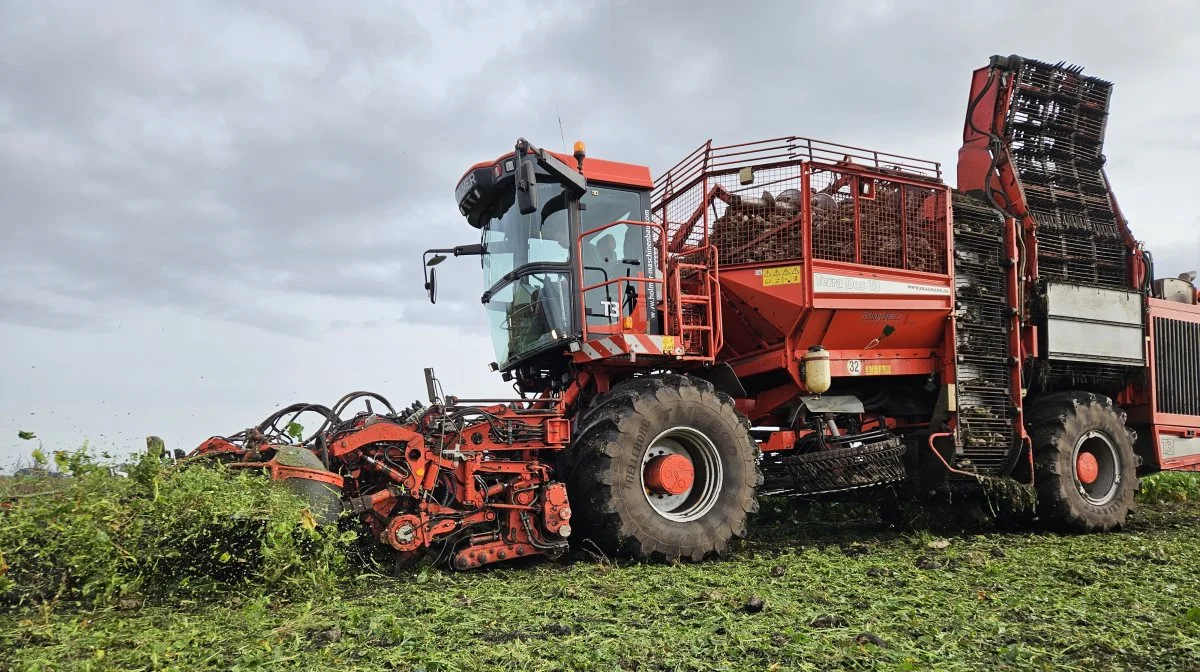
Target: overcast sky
{"x":208,"y":211}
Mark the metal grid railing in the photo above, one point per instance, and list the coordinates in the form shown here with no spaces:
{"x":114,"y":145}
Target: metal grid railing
{"x":745,"y":199}
{"x":878,"y":222}
{"x":715,"y":160}
{"x":757,"y":223}
{"x":925,"y":227}
{"x":835,"y":235}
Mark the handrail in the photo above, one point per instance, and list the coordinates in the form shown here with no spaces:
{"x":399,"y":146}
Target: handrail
{"x":906,"y":215}
{"x":710,"y":284}
{"x":588,"y":288}
{"x":662,"y":245}
{"x":709,"y":160}
{"x":634,"y":222}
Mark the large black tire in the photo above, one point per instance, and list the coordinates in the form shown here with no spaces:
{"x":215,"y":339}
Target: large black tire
{"x":605,"y":471}
{"x":1064,"y":425}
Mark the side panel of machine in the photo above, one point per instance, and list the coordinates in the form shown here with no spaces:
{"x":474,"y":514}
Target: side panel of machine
{"x":1088,"y":324}
{"x":877,"y":322}
{"x":1175,"y":342}
{"x":1177,"y":450}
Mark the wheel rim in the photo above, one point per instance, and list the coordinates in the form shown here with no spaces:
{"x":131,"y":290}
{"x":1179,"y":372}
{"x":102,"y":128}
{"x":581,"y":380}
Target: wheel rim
{"x":1095,"y":465}
{"x":701,"y":495}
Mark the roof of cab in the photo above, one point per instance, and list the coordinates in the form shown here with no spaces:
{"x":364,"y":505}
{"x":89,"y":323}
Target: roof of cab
{"x":595,"y":170}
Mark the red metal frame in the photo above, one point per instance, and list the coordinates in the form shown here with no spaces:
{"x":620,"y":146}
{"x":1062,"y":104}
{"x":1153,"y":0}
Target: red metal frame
{"x":1015,"y":339}
{"x":392,"y":471}
{"x":992,"y":90}
{"x":1146,"y":408}
{"x":770,"y":326}
{"x":639,"y":324}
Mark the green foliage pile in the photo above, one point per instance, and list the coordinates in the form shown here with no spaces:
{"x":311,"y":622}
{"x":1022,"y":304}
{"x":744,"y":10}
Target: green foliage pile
{"x":825,"y":590}
{"x":90,"y":536}
{"x":1170,"y":486}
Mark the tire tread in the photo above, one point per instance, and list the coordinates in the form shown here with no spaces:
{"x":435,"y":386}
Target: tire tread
{"x":1054,"y":424}
{"x":589,"y":471}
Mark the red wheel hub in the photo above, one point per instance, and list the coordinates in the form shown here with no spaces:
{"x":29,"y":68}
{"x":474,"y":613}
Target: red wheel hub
{"x":670,"y":474}
{"x":1086,"y":468}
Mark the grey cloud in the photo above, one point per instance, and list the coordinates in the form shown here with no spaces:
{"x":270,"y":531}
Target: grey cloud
{"x":198,"y":156}
{"x":865,"y":73}
{"x":1177,"y":256}
{"x":26,"y":312}
{"x":178,"y":177}
{"x":135,"y":169}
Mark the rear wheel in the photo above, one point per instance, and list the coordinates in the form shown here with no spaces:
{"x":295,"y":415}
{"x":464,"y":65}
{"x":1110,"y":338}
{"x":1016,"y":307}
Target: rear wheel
{"x":663,"y":468}
{"x":1086,"y":468}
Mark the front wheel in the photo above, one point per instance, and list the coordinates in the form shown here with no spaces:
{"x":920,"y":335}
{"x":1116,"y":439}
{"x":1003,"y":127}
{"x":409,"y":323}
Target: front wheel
{"x":664,"y":468}
{"x":1086,"y":468}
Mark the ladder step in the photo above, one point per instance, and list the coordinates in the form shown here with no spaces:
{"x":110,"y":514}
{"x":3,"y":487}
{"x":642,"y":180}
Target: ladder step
{"x":697,"y":327}
{"x":693,"y":298}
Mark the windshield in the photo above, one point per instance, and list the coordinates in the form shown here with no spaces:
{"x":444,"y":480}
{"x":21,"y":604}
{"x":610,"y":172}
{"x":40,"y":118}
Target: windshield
{"x":528,"y":313}
{"x":532,"y":310}
{"x":538,"y":307}
{"x":512,"y":240}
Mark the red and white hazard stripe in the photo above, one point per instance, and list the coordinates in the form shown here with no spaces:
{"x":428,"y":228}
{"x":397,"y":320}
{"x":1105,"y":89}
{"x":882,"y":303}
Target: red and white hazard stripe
{"x":621,"y":344}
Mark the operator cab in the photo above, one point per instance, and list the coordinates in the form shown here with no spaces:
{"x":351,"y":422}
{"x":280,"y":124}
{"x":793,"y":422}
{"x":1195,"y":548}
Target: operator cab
{"x":549,"y":229}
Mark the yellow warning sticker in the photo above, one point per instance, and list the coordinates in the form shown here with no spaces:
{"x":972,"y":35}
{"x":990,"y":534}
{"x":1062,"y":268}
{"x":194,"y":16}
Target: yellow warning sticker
{"x":781,"y":275}
{"x":879,"y":369}
{"x":668,"y":343}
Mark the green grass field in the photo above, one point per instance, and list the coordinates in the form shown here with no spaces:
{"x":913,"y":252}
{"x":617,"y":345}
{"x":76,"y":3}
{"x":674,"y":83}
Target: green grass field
{"x":834,"y":589}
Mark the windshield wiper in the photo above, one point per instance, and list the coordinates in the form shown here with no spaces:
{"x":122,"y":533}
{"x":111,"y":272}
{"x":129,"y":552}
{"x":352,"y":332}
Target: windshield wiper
{"x":504,"y":280}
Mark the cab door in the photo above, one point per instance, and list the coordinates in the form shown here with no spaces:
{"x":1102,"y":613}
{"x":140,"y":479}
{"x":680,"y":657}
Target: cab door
{"x":613,"y":256}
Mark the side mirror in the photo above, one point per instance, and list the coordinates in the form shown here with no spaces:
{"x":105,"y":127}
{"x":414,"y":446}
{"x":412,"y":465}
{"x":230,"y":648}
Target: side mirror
{"x":431,"y":285}
{"x":527,"y":199}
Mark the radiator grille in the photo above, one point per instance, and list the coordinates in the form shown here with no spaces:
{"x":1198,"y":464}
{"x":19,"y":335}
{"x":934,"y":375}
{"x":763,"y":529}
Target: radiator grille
{"x":1177,"y":366}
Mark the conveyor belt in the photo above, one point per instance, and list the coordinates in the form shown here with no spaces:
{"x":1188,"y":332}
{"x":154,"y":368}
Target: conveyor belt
{"x":984,"y":376}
